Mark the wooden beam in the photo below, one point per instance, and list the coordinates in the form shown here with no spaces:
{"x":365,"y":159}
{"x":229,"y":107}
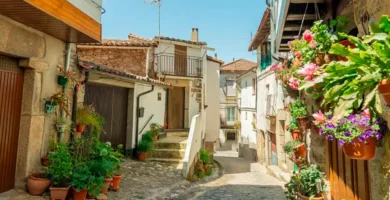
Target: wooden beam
{"x":307,"y":1}
{"x":293,"y":27}
{"x":299,"y":17}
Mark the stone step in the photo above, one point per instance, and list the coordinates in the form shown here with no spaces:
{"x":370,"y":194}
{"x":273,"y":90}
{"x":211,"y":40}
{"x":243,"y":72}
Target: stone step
{"x":176,"y":163}
{"x":178,"y":134}
{"x":167,"y":153}
{"x":165,"y":145}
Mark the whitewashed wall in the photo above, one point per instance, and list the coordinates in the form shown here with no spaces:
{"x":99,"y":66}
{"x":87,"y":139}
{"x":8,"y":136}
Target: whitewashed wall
{"x":212,"y":101}
{"x":152,"y":106}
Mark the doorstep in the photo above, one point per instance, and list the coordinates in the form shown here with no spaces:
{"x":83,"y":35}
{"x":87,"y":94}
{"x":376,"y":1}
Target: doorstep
{"x":276,"y":172}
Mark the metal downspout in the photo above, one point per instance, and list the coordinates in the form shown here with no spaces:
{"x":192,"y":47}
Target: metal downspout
{"x":67,"y":65}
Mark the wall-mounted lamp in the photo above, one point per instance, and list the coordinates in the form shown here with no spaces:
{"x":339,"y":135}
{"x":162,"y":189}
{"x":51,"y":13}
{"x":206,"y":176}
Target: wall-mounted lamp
{"x":141,"y":112}
{"x":159,"y":96}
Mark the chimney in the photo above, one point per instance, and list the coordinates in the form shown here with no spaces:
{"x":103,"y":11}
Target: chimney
{"x":195,"y":35}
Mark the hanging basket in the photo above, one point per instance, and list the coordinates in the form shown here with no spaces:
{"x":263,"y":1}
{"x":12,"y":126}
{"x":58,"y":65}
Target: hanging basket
{"x":303,"y":122}
{"x":384,"y":90}
{"x":50,"y":107}
{"x":62,"y":80}
{"x":60,"y":128}
{"x":360,"y":150}
{"x":296,"y":134}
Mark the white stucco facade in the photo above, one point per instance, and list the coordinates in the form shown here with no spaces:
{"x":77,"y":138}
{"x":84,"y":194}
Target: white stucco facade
{"x":212,"y":100}
{"x":90,"y":7}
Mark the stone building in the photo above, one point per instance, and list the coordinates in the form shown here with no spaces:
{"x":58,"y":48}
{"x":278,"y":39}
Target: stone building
{"x":31,"y":55}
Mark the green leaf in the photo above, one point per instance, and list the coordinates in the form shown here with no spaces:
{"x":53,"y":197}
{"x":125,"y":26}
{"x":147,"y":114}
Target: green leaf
{"x":308,"y":84}
{"x":384,"y":23}
{"x":370,"y":97}
{"x":378,"y":104}
{"x":344,"y":106}
{"x":339,"y":49}
{"x":375,"y":36}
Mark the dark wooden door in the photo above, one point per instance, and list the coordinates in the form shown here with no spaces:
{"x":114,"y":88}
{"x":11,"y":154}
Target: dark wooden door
{"x":176,"y":108}
{"x":11,"y":91}
{"x":349,"y":178}
{"x":180,"y":60}
{"x":112,"y":104}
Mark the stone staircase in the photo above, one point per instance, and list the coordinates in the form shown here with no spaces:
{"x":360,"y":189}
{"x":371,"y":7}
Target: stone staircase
{"x":171,"y":148}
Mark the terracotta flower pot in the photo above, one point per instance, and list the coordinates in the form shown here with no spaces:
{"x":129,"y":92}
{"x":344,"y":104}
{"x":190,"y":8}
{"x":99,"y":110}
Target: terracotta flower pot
{"x":58,"y":193}
{"x":384,"y":90}
{"x":115,"y":182}
{"x":36,"y":185}
{"x":345,"y":43}
{"x":360,"y":150}
{"x":82,"y":195}
{"x":80,"y":128}
{"x":155,"y":138}
{"x":302,"y":122}
{"x":300,"y":151}
{"x":318,"y":197}
{"x":296,"y":134}
{"x":106,"y":185}
{"x":141,"y":156}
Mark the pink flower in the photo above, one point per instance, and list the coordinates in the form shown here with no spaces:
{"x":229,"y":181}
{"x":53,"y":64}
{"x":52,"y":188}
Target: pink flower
{"x":308,"y":71}
{"x":289,"y":43}
{"x":294,"y":83}
{"x":296,"y":37}
{"x":275,"y":67}
{"x":298,"y":54}
{"x":313,"y":44}
{"x":319,"y":117}
{"x":308,"y":36}
{"x":366,"y":113}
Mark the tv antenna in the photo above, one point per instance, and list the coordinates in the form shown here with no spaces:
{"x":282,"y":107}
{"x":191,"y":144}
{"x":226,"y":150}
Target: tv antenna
{"x":158,"y":3}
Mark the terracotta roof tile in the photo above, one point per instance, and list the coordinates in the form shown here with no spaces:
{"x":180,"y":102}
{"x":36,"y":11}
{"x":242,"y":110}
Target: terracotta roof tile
{"x":238,"y":66}
{"x":180,"y":40}
{"x":214,"y":59}
{"x":93,"y":66}
{"x":132,"y":41}
{"x":262,"y":32}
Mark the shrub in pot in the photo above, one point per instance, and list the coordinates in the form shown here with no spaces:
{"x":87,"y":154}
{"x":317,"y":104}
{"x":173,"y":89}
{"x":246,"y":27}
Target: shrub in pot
{"x":296,"y":151}
{"x":298,"y":111}
{"x":144,"y":146}
{"x":294,"y":130}
{"x":60,"y":172}
{"x":118,"y":154}
{"x":85,"y":182}
{"x":37,"y":183}
{"x":308,"y":183}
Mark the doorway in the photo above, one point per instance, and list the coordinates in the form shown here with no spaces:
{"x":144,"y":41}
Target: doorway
{"x":176,"y":97}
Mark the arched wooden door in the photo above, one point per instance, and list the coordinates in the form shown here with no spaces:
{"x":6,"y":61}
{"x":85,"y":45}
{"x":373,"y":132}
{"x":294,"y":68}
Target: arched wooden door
{"x":11,"y":91}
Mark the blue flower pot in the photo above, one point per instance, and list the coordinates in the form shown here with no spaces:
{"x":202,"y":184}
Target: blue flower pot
{"x":50,"y":108}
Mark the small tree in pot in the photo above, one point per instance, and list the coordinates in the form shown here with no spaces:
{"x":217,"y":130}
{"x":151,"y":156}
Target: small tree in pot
{"x":144,"y":146}
{"x":205,"y":158}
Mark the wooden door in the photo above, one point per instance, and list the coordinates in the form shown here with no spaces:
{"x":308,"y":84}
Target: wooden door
{"x":349,"y":178}
{"x":176,"y":108}
{"x":11,"y":91}
{"x":180,"y":60}
{"x":112,"y":104}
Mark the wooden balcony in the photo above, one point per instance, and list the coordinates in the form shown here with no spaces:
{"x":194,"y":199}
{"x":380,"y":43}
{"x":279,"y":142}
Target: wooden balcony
{"x":180,"y":65}
{"x":58,"y":18}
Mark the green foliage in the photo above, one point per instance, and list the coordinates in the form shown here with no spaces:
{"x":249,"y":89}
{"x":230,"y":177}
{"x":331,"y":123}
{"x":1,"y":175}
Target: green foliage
{"x":87,"y":115}
{"x":205,"y":156}
{"x":322,"y":37}
{"x":145,"y":146}
{"x":62,"y":121}
{"x":237,"y":125}
{"x":148,"y":136}
{"x":290,"y":145}
{"x":298,"y":109}
{"x":200,"y":173}
{"x":60,"y":166}
{"x":308,"y":182}
{"x":209,"y":170}
{"x":293,"y":126}
{"x":339,"y":25}
{"x":84,"y":178}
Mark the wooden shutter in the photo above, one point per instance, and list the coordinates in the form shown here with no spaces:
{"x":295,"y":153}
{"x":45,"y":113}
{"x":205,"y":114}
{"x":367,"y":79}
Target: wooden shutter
{"x":180,"y":60}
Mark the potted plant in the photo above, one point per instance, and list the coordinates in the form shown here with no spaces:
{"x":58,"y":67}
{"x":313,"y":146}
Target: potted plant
{"x":144,"y":146}
{"x":37,"y":183}
{"x":60,"y":171}
{"x":357,"y":134}
{"x":62,"y":124}
{"x":87,"y":115}
{"x":307,"y":184}
{"x":56,"y":99}
{"x":84,"y":182}
{"x":296,"y":151}
{"x":294,"y":130}
{"x":299,"y":112}
{"x":116,"y":179}
{"x":204,"y":156}
{"x":65,"y":76}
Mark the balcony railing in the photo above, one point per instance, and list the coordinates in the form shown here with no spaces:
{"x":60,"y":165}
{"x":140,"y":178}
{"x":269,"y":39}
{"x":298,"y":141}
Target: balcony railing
{"x":179,"y":65}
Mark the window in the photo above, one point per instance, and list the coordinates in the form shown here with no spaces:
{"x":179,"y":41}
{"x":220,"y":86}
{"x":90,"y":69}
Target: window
{"x":253,"y":86}
{"x":230,"y":88}
{"x":231,"y":114}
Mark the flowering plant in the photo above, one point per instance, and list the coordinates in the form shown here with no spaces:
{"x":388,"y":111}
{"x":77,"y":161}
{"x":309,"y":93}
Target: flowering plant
{"x":355,"y":126}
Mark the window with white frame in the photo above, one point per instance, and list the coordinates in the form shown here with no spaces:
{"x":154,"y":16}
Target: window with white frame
{"x":230,"y":114}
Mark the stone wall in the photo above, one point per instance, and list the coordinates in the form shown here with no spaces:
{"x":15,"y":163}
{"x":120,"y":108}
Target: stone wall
{"x":128,"y":60}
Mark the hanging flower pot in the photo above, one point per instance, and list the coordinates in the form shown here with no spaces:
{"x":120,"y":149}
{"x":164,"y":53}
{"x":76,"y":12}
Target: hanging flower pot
{"x":50,"y":107}
{"x":300,"y":151}
{"x":80,"y":128}
{"x":302,"y":122}
{"x":384,"y":90}
{"x":115,"y":182}
{"x":61,"y":127}
{"x":106,"y":185}
{"x":296,"y":134}
{"x":360,"y":150}
{"x":62,"y":81}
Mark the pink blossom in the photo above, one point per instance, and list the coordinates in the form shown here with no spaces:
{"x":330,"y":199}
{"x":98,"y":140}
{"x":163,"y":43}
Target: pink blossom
{"x":319,"y":117}
{"x":298,"y":54}
{"x":294,"y":83}
{"x":366,"y":113}
{"x":308,"y":36}
{"x":313,"y":44}
{"x":275,"y":67}
{"x":296,"y":37}
{"x":289,"y":43}
{"x":308,"y":71}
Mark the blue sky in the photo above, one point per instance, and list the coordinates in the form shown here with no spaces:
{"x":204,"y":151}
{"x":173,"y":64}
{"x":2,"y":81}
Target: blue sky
{"x":225,"y":25}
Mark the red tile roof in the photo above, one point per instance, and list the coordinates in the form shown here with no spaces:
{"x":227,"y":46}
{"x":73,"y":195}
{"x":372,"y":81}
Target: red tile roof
{"x":214,"y":59}
{"x":239,"y":66}
{"x":132,"y":41}
{"x":93,"y":66}
{"x":180,"y":40}
{"x":262,"y":32}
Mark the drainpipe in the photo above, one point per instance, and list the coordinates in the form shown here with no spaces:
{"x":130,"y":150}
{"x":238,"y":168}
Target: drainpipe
{"x":137,"y":118}
{"x":147,"y":62}
{"x":67,"y":64}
